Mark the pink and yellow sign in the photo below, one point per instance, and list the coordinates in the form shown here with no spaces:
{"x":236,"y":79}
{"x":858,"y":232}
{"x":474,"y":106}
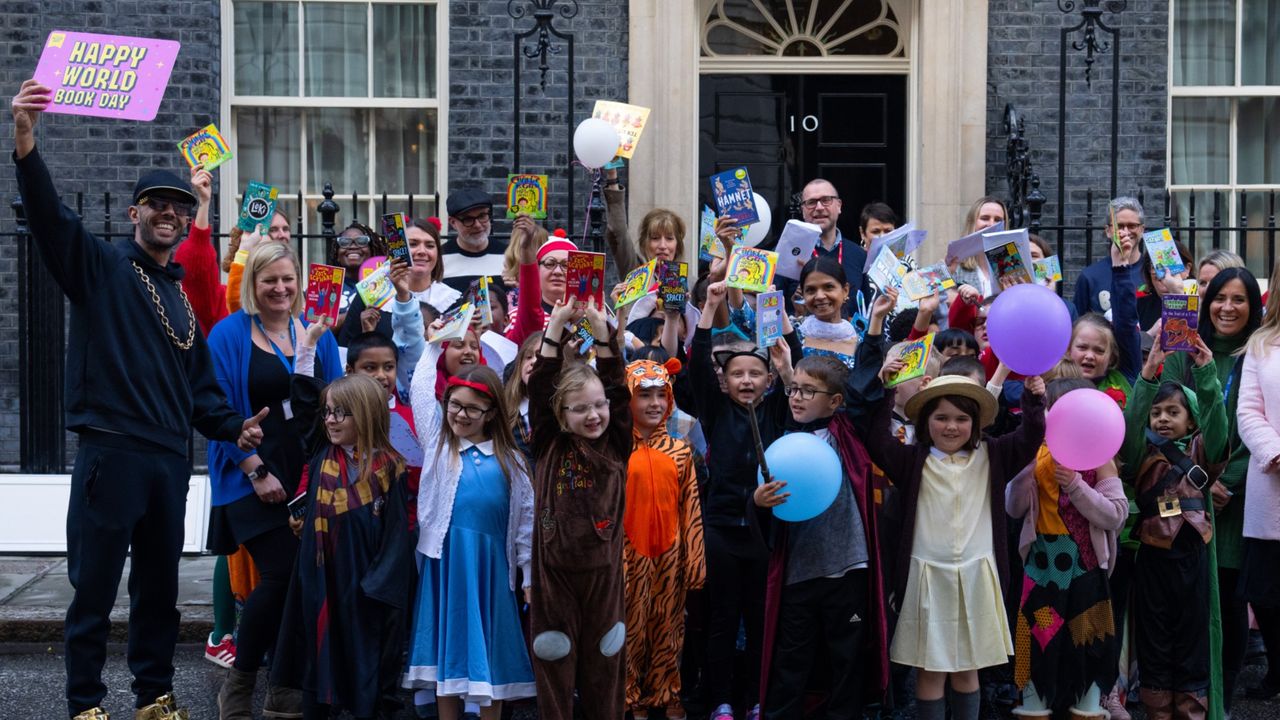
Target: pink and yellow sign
{"x":112,"y":76}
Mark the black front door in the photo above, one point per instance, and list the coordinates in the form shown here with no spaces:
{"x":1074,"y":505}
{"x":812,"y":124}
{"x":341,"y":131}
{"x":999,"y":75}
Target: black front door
{"x":790,"y":129}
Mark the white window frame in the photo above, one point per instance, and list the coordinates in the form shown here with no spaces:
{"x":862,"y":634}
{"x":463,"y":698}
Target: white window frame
{"x":232,"y":184}
{"x":1235,"y":92}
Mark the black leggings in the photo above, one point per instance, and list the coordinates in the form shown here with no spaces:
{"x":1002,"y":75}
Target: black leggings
{"x":1235,"y":631}
{"x":737,"y":570}
{"x":273,"y":553}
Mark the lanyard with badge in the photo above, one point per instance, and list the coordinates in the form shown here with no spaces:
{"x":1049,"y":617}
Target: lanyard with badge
{"x":287,"y":360}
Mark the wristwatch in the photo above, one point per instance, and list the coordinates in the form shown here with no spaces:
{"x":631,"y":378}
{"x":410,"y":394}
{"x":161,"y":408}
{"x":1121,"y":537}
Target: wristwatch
{"x":259,"y":472}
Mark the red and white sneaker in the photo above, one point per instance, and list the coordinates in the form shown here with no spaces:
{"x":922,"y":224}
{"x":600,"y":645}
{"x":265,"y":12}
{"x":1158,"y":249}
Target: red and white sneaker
{"x":223,"y":654}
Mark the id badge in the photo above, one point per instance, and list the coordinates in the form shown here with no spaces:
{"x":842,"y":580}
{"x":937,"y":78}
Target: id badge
{"x":1169,"y":505}
{"x":287,"y":407}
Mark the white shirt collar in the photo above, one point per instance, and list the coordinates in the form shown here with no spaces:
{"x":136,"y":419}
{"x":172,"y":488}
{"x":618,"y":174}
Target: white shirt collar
{"x":957,"y":456}
{"x":485,"y":447}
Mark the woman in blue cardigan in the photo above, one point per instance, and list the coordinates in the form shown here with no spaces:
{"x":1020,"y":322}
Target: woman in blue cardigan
{"x":253,"y":354}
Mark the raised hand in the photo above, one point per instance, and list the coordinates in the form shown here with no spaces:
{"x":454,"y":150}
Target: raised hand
{"x":884,"y":303}
{"x":369,"y":319}
{"x":599,"y":322}
{"x":1034,"y":385}
{"x":400,"y":279}
{"x":715,"y":295}
{"x":251,"y":432}
{"x":250,"y":240}
{"x":970,"y":294}
{"x":1155,"y":358}
{"x":31,"y":100}
{"x":1202,"y":355}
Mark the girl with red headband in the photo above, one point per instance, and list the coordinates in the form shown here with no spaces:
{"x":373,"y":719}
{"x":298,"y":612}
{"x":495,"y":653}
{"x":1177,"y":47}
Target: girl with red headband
{"x":475,"y":519}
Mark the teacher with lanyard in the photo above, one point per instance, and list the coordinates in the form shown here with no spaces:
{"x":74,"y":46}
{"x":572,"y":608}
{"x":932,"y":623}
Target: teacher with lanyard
{"x":138,"y":378}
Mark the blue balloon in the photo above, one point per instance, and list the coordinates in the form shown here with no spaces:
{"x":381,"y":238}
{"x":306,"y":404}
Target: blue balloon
{"x":811,"y":469}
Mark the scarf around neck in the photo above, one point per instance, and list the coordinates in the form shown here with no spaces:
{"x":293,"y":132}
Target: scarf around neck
{"x":335,"y":495}
{"x":812,"y":327}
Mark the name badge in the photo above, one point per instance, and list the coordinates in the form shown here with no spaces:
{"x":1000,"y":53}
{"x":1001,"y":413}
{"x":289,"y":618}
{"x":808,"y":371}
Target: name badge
{"x":287,"y":407}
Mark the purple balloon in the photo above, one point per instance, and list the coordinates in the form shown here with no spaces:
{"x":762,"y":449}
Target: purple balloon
{"x":1084,"y":429}
{"x":1029,"y":327}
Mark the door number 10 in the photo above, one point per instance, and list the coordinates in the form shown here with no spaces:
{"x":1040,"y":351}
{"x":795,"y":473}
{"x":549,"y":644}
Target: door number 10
{"x":809,"y":123}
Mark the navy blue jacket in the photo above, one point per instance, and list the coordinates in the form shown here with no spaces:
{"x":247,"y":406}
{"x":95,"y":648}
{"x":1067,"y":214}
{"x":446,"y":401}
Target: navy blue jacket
{"x":1095,"y":280}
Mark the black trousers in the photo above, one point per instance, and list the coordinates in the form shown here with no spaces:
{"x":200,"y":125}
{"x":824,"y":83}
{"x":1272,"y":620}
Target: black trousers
{"x":123,"y":495}
{"x":1171,"y":615}
{"x":273,"y":553}
{"x":830,"y":612}
{"x":1235,"y":631}
{"x":737,"y":571}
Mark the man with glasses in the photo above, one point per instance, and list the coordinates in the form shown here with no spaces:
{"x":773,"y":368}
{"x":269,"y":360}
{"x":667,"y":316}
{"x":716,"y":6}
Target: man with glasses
{"x":138,"y":377}
{"x":471,"y":253}
{"x":1124,"y":228}
{"x":820,"y":204}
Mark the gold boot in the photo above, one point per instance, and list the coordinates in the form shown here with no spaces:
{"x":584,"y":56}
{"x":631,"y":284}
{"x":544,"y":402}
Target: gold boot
{"x":164,"y":708}
{"x":93,"y":714}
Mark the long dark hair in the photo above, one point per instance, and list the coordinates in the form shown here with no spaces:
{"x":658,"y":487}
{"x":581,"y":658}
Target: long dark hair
{"x":1251,"y":291}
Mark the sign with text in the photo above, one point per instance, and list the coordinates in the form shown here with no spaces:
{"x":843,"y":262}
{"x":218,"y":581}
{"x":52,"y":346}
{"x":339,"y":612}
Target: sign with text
{"x":112,"y":76}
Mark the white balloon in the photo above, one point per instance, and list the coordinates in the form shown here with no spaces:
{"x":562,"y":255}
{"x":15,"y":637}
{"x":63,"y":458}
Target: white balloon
{"x":595,"y":142}
{"x":759,"y":230}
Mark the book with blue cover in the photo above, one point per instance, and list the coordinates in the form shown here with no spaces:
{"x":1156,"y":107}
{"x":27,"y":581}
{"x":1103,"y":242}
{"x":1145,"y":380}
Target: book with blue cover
{"x":769,"y":309}
{"x":734,"y":196}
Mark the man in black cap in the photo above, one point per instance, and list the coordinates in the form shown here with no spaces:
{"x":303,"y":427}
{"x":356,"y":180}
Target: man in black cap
{"x":139,"y":376}
{"x":471,"y":253}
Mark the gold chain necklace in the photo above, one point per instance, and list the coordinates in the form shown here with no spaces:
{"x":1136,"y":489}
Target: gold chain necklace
{"x":164,"y":319}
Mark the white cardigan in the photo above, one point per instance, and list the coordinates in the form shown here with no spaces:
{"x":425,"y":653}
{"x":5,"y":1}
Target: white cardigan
{"x":1258,"y":420}
{"x":441,"y":471}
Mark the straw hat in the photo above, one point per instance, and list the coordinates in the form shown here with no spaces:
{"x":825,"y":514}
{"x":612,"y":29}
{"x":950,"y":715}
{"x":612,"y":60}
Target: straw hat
{"x":955,"y":385}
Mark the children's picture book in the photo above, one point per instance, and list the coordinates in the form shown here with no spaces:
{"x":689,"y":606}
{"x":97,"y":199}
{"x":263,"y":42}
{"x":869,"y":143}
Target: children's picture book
{"x":1190,"y":286}
{"x":795,"y":247}
{"x":258,"y":206}
{"x":393,"y":230}
{"x":925,"y":281}
{"x":582,"y":331}
{"x":206,"y":147}
{"x":1179,"y":322}
{"x":887,"y":270}
{"x":375,"y":289}
{"x":456,"y":324}
{"x":751,"y":269}
{"x":734,"y":196}
{"x":708,"y":244}
{"x":1009,"y":255}
{"x":527,"y":195}
{"x":673,"y":284}
{"x":902,"y":241}
{"x":970,"y":245}
{"x":1048,"y":269}
{"x":368,"y":266}
{"x":637,"y":284}
{"x":1163,"y":252}
{"x":914,"y":357}
{"x":324,"y":293}
{"x":584,"y":278}
{"x":480,"y":299}
{"x":769,"y":309}
{"x":627,"y":120}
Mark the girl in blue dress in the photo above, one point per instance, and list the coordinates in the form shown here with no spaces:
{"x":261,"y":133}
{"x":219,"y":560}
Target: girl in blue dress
{"x":475,"y":516}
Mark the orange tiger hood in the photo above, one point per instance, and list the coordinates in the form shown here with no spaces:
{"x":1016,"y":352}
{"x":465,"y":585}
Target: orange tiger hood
{"x":652,"y":515}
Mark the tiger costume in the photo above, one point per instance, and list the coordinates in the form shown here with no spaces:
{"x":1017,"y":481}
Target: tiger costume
{"x":662,"y":549}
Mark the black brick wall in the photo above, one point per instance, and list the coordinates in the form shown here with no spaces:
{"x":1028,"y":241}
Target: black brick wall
{"x":1023,"y":69}
{"x":481,"y":95}
{"x":94,"y":155}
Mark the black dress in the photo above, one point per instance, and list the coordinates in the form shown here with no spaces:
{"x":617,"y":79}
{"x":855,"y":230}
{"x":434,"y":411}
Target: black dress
{"x":282,"y":450}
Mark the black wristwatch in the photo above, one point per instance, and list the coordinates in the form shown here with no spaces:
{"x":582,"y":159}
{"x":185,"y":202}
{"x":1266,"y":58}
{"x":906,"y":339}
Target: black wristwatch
{"x":259,"y":473}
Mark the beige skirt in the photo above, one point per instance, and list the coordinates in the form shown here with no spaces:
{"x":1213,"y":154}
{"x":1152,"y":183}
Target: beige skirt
{"x":952,"y":617}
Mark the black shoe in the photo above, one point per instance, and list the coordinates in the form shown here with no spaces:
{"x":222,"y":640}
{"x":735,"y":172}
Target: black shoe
{"x":1264,"y":690}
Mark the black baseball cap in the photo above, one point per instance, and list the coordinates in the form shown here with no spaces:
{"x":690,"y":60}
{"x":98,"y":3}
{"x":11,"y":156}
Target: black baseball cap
{"x":464,"y":199}
{"x":162,"y":180}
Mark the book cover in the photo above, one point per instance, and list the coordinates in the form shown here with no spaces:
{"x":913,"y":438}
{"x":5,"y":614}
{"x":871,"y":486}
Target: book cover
{"x":324,"y":293}
{"x":393,"y":231}
{"x":1009,"y":257}
{"x":901,"y":240}
{"x":375,"y":289}
{"x":527,"y":195}
{"x":970,"y":245}
{"x":673,"y":284}
{"x":456,"y":324}
{"x":1179,"y":322}
{"x":1163,"y":251}
{"x":795,"y":247}
{"x":206,"y":147}
{"x":584,"y":278}
{"x":1048,"y":269}
{"x":751,"y":269}
{"x":734,"y":197}
{"x":886,"y":269}
{"x":769,"y":309}
{"x":627,"y":120}
{"x":480,"y":299}
{"x":582,"y":330}
{"x":637,"y":284}
{"x":708,"y":244}
{"x":258,"y":206}
{"x":913,"y":357}
{"x":923,"y":282}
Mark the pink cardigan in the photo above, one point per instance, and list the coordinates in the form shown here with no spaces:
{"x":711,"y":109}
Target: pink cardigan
{"x":1258,"y":420}
{"x":1104,"y":505}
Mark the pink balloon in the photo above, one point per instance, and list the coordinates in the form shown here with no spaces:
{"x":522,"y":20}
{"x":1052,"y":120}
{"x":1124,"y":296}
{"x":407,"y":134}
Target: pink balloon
{"x":1084,"y":429}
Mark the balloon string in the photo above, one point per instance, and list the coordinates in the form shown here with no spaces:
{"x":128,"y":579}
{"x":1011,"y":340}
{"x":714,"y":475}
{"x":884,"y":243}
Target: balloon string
{"x":586,"y":215}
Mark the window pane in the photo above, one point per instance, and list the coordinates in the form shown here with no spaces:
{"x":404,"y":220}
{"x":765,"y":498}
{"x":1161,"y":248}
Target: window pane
{"x":1259,"y":141}
{"x":1200,"y":240}
{"x":338,"y":152}
{"x":1257,"y":208}
{"x":406,"y":157}
{"x":337,"y":49}
{"x":1201,"y":130}
{"x":404,"y":51}
{"x":1204,"y":42}
{"x":1260,"y":37}
{"x":266,"y":54}
{"x":267,"y":147}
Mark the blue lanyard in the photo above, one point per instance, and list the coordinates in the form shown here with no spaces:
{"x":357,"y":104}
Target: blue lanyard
{"x":293,"y":341}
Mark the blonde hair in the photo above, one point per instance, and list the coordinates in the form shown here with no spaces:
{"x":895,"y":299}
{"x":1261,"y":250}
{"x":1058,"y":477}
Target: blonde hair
{"x":516,"y":391}
{"x":1220,"y":259}
{"x":1066,"y":369}
{"x":574,"y":377}
{"x":510,"y":459}
{"x":1268,"y":333}
{"x":971,"y":220}
{"x":262,"y":256}
{"x":661,"y":220}
{"x":1102,"y":325}
{"x":366,"y":403}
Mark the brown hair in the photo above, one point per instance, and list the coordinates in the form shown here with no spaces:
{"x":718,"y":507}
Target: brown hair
{"x":1066,"y":369}
{"x":366,"y":403}
{"x":1056,"y":388}
{"x":510,"y":459}
{"x":663,"y":221}
{"x":233,"y":246}
{"x":826,"y":370}
{"x":437,"y":272}
{"x":1040,"y":243}
{"x":968,"y":406}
